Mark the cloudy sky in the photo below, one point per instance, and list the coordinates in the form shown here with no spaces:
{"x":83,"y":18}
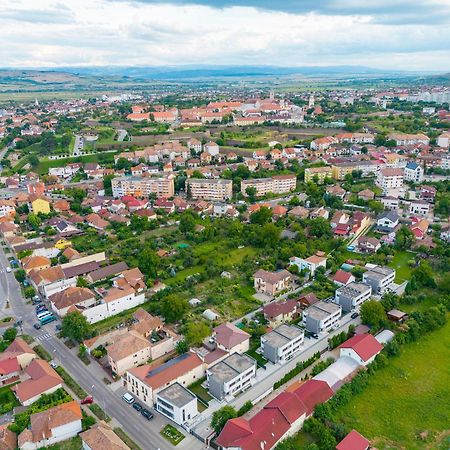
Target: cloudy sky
{"x":391,"y":34}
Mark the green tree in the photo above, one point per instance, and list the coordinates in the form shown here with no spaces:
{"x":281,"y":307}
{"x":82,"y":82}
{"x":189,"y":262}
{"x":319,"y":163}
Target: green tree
{"x":123,"y":164}
{"x":262,"y":216}
{"x":196,"y":332}
{"x":20,"y":275}
{"x":375,"y":206}
{"x":33,"y":160}
{"x":173,"y":308}
{"x":10,"y":334}
{"x":34,"y":221}
{"x":107,"y":184}
{"x":221,"y":417}
{"x":29,"y":292}
{"x":81,"y":282}
{"x":148,"y":262}
{"x":422,"y":276}
{"x":251,"y":193}
{"x":182,"y":347}
{"x":404,"y":238}
{"x":75,"y":327}
{"x":187,"y":222}
{"x":372,"y":313}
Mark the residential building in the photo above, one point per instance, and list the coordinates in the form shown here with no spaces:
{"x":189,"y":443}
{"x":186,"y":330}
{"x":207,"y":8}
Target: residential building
{"x":212,"y":148}
{"x":209,"y":189}
{"x":413,"y":172}
{"x":231,"y":376}
{"x":310,"y":264}
{"x":272,"y":282}
{"x":322,"y":173}
{"x":321,"y":317}
{"x":419,"y":207}
{"x":54,"y":425}
{"x":143,"y":186}
{"x":363,"y":348}
{"x":368,"y":244}
{"x":39,"y":204}
{"x":146,"y":381}
{"x":177,"y":403}
{"x":390,"y":179}
{"x":352,"y":296}
{"x":277,"y":313}
{"x":444,"y":140}
{"x":353,"y":441}
{"x":283,"y":343}
{"x":380,"y":278}
{"x":342,"y":278}
{"x":230,"y":338}
{"x":7,"y":208}
{"x":280,"y":184}
{"x":62,"y":301}
{"x":409,"y":139}
{"x":101,"y":437}
{"x":387,"y":221}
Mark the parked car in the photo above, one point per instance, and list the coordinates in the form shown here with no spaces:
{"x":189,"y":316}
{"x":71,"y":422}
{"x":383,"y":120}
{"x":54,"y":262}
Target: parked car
{"x":58,"y":327}
{"x":146,"y":413}
{"x":37,"y":326}
{"x":87,"y":400}
{"x":354,"y":315}
{"x":128,"y":398}
{"x":53,"y":365}
{"x":40,"y":307}
{"x":137,"y":406}
{"x":8,"y":269}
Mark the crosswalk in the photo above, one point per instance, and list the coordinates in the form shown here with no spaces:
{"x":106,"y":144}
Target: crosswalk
{"x":44,"y":337}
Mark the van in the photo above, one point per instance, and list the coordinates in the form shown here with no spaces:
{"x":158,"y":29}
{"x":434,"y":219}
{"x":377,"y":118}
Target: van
{"x":128,"y":398}
{"x":43,"y":314}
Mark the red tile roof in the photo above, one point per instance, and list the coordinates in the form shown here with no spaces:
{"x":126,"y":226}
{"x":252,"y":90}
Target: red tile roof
{"x":8,"y":366}
{"x":341,"y":276}
{"x":353,"y":441}
{"x":313,"y":392}
{"x":365,"y":345}
{"x":275,"y":309}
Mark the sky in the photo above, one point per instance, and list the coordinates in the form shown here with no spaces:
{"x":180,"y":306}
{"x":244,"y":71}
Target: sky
{"x":385,"y":34}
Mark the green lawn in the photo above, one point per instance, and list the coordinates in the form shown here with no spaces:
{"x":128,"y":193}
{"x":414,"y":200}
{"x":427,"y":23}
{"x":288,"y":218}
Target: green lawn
{"x":70,"y":444}
{"x":200,"y":392}
{"x":400,"y":264}
{"x":259,"y":358}
{"x":172,"y":434}
{"x":408,"y":397}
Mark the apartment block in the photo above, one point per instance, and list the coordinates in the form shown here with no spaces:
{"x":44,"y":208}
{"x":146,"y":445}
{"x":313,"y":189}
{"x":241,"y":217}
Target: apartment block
{"x":322,"y":174}
{"x":282,"y":343}
{"x":390,"y":179}
{"x":215,"y":189}
{"x":143,"y":186}
{"x":379,"y":278}
{"x":352,"y":296}
{"x":281,"y":184}
{"x":321,"y":317}
{"x":231,"y":376}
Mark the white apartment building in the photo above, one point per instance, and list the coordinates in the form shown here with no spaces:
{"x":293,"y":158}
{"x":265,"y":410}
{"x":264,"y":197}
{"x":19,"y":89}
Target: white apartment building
{"x":444,"y":140}
{"x":321,"y":317}
{"x":230,"y":376}
{"x":216,"y":189}
{"x":409,"y":139}
{"x":420,"y":208}
{"x":380,"y":278}
{"x":7,"y":208}
{"x":413,"y":172}
{"x":280,"y":184}
{"x":390,"y":179}
{"x":352,"y":296}
{"x":177,"y":403}
{"x":143,"y":186}
{"x":283,"y":343}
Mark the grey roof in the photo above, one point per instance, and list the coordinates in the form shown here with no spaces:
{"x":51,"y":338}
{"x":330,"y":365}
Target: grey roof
{"x":321,"y":310}
{"x":335,"y":374}
{"x":176,"y":395}
{"x":391,"y":215}
{"x":354,"y":289}
{"x":81,"y":269}
{"x":379,"y":272}
{"x":108,"y":271}
{"x":231,"y":367}
{"x":283,"y":334}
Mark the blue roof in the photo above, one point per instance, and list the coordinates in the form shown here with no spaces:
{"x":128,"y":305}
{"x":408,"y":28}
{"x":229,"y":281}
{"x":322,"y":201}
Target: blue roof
{"x":412,"y":165}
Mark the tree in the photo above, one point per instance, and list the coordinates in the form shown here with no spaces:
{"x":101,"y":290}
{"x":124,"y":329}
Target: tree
{"x":20,"y":275}
{"x":221,"y":417}
{"x":404,"y":238}
{"x":372,"y":313}
{"x":196,"y":332}
{"x":268,"y":235}
{"x":81,"y":282}
{"x":107,"y":184}
{"x":148,"y":262}
{"x":376,"y":206}
{"x":10,"y":334}
{"x":262,"y":216}
{"x":29,"y":292}
{"x":75,"y":327}
{"x":34,"y":221}
{"x":182,"y":347}
{"x":123,"y":163}
{"x":173,"y":308}
{"x":251,"y":193}
{"x":187,"y":222}
{"x":320,"y":228}
{"x":33,"y":160}
{"x":422,"y":276}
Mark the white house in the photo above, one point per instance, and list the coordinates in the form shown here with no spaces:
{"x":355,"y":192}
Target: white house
{"x":444,"y":140}
{"x":212,"y":148}
{"x":413,"y":172}
{"x":311,"y":264}
{"x":363,"y":348}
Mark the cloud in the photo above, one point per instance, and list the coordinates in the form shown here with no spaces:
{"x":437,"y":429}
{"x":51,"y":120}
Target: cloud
{"x":127,"y":32}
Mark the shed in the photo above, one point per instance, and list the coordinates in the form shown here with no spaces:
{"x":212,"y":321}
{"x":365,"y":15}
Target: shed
{"x":209,"y":314}
{"x":385,"y":337}
{"x":194,"y":302}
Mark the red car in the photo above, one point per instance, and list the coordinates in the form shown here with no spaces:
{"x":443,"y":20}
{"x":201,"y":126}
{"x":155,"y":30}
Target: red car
{"x":88,"y":400}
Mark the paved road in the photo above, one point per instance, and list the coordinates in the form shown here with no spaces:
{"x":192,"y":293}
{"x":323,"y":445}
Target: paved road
{"x":90,"y":378}
{"x":78,"y":145}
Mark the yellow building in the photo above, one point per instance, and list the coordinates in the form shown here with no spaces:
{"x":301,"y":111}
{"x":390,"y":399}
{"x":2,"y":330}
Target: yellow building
{"x":40,"y":205}
{"x":63,"y":244}
{"x":321,"y":172}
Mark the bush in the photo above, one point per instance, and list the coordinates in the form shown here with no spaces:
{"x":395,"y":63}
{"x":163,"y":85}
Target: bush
{"x":44,"y":354}
{"x":87,"y":421}
{"x":300,"y":367}
{"x":246,"y":407}
{"x":99,"y":412}
{"x":71,"y":383}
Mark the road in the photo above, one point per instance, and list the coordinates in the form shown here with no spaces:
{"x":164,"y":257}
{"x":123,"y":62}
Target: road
{"x":78,"y":145}
{"x":90,"y":378}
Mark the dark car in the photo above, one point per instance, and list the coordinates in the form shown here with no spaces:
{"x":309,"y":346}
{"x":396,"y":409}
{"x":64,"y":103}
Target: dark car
{"x":87,"y":400}
{"x":354,"y":315}
{"x":58,"y":327}
{"x":37,"y":326}
{"x":137,"y":406}
{"x":146,"y":413}
{"x":40,"y":308}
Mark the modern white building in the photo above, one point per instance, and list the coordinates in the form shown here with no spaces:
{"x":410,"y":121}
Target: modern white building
{"x":352,"y":296}
{"x":143,"y":186}
{"x":390,"y":179}
{"x":283,"y":343}
{"x":209,"y":189}
{"x":311,"y":264}
{"x":413,"y":172}
{"x":380,"y":278}
{"x":177,"y":403}
{"x":321,"y":317}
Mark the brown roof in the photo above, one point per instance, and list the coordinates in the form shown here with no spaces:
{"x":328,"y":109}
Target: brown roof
{"x":107,"y":271}
{"x":71,"y":296}
{"x":32,"y":262}
{"x":229,"y":335}
{"x":102,"y":437}
{"x":275,"y":309}
{"x":42,"y":378}
{"x":8,"y":439}
{"x":146,"y":322}
{"x":171,"y":370}
{"x":129,"y":343}
{"x":116,"y":293}
{"x":44,"y":422}
{"x":70,"y":253}
{"x":272,"y":277}
{"x":49,"y":275}
{"x":19,"y":346}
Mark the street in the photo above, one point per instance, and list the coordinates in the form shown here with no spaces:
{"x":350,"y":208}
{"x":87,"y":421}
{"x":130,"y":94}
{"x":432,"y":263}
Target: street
{"x":90,"y":378}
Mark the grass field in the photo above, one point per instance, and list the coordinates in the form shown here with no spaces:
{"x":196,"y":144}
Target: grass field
{"x":408,"y":397}
{"x":172,"y":434}
{"x":400,"y":264}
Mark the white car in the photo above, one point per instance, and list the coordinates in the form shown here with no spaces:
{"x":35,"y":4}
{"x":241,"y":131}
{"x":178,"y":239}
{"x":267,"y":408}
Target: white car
{"x":8,"y":269}
{"x":128,"y":398}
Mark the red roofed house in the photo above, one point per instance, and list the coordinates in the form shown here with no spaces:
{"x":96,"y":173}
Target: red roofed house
{"x":9,"y":370}
{"x":363,"y":348}
{"x":230,"y":338}
{"x":353,"y":441}
{"x":21,"y":350}
{"x":313,"y":392}
{"x":342,"y":278}
{"x":277,"y":313}
{"x":42,"y":380}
